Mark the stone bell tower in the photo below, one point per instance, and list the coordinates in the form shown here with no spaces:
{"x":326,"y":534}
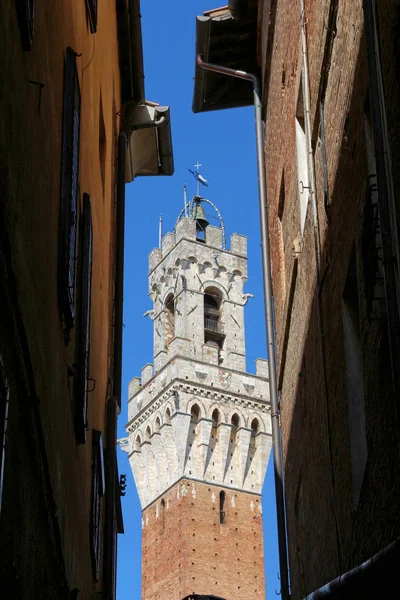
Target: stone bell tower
{"x":199,"y":436}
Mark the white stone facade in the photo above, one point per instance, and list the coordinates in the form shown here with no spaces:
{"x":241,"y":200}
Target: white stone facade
{"x":196,"y":413}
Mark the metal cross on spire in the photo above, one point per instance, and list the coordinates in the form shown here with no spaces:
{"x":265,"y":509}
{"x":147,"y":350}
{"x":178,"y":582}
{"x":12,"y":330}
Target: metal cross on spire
{"x":199,"y":178}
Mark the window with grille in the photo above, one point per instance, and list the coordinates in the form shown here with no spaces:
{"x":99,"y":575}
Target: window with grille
{"x":69,"y":192}
{"x":91,"y":11}
{"x":25,"y":15}
{"x":83,"y":346}
{"x":4,"y":395}
{"x":98,"y":488}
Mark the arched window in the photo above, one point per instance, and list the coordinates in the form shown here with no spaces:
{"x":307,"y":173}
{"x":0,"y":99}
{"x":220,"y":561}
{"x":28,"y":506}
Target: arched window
{"x":158,"y":425}
{"x":213,"y":326}
{"x":216,"y":418}
{"x":222,"y":508}
{"x":169,"y":319}
{"x":137,"y":443}
{"x":195,"y":413}
{"x":147,"y":434}
{"x":168,"y":416}
{"x":255,"y":426}
{"x":235,"y":422}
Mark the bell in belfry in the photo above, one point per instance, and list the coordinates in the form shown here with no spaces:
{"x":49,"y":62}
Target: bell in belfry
{"x":199,"y":216}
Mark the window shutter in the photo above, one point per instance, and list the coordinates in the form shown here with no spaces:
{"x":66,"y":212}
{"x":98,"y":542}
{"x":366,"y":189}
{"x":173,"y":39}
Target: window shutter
{"x":91,"y":9}
{"x":4,"y":396}
{"x":25,"y":15}
{"x":98,"y":479}
{"x":83,"y":359}
{"x":69,"y":191}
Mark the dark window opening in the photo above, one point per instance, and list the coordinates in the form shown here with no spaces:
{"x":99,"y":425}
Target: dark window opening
{"x":163,"y":514}
{"x":83,"y":351}
{"x":235,"y":422}
{"x":222,"y":515}
{"x":91,"y":12}
{"x":98,"y":488}
{"x":255,"y":427}
{"x":195,"y":413}
{"x":69,"y":193}
{"x":169,"y":319}
{"x":216,"y":418}
{"x":213,"y":327}
{"x":26,"y":15}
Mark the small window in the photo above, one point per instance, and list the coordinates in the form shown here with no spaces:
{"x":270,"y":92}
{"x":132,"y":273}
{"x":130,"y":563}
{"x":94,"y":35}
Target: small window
{"x":235,"y":421}
{"x":25,"y":16}
{"x":83,"y":356}
{"x":255,"y":427}
{"x":98,"y":488}
{"x":91,"y":11}
{"x":195,"y":413}
{"x":302,"y":158}
{"x":4,"y":398}
{"x":222,"y":515}
{"x":213,"y":327}
{"x":163,"y":514}
{"x":216,"y":418}
{"x":69,"y":192}
{"x":169,"y":319}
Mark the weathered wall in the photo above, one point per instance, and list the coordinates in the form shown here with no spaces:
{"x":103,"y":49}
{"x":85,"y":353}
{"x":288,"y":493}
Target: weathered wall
{"x":328,"y":532}
{"x":186,"y":550}
{"x":30,"y":163}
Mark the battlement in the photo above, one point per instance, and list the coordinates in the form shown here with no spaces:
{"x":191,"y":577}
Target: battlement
{"x":145,"y":391}
{"x":186,"y":230}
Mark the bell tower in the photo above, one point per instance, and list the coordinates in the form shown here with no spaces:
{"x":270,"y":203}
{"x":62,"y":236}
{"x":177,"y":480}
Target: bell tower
{"x":199,"y":436}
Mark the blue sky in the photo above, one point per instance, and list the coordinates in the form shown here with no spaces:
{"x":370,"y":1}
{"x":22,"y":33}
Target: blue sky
{"x":224,"y":143}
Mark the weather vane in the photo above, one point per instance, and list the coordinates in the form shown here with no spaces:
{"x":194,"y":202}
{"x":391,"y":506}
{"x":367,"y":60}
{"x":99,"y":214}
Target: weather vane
{"x":199,"y":178}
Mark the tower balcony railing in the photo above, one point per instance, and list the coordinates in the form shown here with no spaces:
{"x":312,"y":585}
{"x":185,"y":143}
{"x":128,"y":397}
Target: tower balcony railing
{"x":213,"y":325}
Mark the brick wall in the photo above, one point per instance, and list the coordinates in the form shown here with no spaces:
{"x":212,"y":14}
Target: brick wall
{"x":328,"y":532}
{"x":186,"y":550}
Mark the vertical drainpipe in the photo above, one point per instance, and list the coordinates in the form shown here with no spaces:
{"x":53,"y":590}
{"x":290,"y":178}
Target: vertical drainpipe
{"x":266,"y":261}
{"x":114,"y":403}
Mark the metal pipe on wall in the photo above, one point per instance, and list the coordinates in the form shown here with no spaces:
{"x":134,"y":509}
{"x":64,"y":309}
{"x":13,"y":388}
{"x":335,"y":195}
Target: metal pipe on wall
{"x":119,"y":275}
{"x":266,"y":262}
{"x":114,"y":403}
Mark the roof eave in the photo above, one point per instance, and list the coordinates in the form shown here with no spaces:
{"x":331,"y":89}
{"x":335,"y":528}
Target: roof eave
{"x":130,"y":51}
